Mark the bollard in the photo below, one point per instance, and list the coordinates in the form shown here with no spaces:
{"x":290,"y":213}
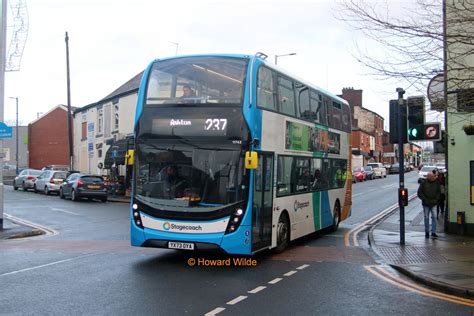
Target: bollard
{"x":461,"y":221}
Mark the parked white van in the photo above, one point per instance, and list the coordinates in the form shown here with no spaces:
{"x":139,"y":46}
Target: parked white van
{"x":379,"y":169}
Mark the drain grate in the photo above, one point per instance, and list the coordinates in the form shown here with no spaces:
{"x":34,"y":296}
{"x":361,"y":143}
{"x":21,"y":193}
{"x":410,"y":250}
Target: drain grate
{"x":410,"y":255}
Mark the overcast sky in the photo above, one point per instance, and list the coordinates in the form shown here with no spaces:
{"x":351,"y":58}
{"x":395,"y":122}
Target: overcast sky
{"x":113,"y":40}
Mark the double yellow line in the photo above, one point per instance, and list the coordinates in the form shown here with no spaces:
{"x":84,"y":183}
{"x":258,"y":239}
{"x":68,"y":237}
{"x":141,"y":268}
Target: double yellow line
{"x":381,"y":273}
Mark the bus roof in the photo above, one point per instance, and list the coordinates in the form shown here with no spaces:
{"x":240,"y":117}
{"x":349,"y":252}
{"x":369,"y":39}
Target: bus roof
{"x":268,"y":64}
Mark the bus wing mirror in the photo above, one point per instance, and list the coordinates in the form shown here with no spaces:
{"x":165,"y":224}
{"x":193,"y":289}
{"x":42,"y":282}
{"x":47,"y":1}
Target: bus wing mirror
{"x":251,"y":160}
{"x":129,"y":157}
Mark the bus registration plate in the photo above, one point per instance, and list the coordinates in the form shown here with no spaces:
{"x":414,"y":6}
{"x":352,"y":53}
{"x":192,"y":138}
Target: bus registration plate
{"x":180,"y":245}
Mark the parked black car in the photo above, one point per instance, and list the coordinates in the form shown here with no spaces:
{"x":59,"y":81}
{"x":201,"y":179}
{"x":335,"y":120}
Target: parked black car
{"x":370,"y":173}
{"x":394,"y":168}
{"x":79,"y":185}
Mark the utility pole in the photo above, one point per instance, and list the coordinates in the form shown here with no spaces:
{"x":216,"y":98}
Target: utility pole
{"x":69,"y":122}
{"x":401,"y":160}
{"x":3,"y":37}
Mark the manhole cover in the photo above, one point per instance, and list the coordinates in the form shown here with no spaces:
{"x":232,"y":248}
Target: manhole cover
{"x":409,"y":255}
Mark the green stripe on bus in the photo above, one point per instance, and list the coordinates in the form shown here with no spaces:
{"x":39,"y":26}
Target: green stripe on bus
{"x":317,"y":210}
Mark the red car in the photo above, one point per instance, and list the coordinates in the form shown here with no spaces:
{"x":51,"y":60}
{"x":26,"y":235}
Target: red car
{"x":359,"y":174}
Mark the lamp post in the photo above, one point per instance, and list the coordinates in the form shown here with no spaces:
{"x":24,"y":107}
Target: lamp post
{"x":276,"y":56}
{"x":17,"y":132}
{"x":176,"y":44}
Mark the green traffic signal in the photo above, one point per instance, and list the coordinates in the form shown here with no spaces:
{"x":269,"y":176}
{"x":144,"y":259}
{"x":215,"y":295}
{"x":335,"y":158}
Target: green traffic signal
{"x":414,"y":133}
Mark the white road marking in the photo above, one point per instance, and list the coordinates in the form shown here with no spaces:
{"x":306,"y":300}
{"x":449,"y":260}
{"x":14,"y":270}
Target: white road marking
{"x":258,"y":289}
{"x":215,"y":311}
{"x":290,"y":273}
{"x":64,"y":211}
{"x":45,"y":265}
{"x":304,"y":266}
{"x":274,"y":281}
{"x":236,"y":300}
{"x":47,"y":230}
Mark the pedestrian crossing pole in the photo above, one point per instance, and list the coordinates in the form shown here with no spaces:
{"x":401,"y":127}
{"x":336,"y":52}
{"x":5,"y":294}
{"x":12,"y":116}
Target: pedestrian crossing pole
{"x":401,"y":159}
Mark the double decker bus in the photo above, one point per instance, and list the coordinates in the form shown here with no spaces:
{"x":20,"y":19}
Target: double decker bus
{"x":234,"y":153}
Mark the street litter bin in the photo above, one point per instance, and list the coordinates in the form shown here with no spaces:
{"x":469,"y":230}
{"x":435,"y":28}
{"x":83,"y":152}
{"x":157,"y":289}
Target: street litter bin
{"x":461,"y":221}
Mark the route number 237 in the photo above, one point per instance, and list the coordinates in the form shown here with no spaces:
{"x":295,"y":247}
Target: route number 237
{"x":215,"y":124}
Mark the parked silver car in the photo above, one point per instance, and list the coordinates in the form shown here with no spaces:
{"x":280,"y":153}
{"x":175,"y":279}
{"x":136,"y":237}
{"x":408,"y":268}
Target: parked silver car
{"x":26,"y":179}
{"x":49,"y":181}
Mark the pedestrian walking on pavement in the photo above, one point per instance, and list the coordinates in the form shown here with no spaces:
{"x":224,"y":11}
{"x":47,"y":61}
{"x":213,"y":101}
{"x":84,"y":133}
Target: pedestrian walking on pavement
{"x":429,"y":193}
{"x":442,"y":185}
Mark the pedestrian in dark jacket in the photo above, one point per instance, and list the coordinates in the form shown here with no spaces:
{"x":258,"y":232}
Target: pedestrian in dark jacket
{"x":429,"y":193}
{"x":442,"y":185}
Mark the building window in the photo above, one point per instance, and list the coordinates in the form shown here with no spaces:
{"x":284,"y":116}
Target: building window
{"x":116,"y":116}
{"x":466,"y":100}
{"x":100,"y":120}
{"x":84,"y":131}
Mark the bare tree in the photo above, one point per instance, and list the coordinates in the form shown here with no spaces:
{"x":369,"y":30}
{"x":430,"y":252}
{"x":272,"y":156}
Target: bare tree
{"x":413,"y":39}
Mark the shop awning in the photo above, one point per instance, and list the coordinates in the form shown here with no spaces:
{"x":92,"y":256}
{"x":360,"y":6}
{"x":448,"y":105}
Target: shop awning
{"x":116,"y":152}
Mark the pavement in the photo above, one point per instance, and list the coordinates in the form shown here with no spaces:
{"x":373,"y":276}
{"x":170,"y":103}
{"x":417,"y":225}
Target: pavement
{"x":445,"y":263}
{"x":12,"y":229}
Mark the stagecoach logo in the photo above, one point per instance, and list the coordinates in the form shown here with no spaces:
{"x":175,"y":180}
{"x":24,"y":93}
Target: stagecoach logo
{"x":166,"y":226}
{"x":174,"y":227}
{"x":300,"y":205}
{"x":180,"y":122}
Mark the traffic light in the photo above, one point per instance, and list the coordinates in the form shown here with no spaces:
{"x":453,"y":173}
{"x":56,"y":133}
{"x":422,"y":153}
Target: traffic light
{"x":403,"y":197}
{"x":394,"y":121}
{"x":416,"y":111}
{"x":416,"y":118}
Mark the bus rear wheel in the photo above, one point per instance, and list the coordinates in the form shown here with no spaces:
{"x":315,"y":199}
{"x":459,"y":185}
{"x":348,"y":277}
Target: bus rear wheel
{"x":283,"y":233}
{"x":336,"y":217}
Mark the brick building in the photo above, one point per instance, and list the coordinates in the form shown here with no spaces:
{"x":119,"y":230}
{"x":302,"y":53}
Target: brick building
{"x":367,"y":128}
{"x":48,"y":139}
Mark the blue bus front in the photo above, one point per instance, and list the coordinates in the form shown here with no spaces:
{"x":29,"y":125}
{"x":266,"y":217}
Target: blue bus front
{"x":190,"y":184}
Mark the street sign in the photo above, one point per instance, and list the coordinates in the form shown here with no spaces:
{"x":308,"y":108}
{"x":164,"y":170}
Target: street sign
{"x":5,"y":131}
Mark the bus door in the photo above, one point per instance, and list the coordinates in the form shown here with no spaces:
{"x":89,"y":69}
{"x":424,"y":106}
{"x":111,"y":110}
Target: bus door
{"x":262,"y":202}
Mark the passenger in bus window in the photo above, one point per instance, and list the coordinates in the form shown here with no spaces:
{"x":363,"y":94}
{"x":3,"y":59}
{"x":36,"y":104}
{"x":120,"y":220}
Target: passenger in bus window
{"x":188,"y":92}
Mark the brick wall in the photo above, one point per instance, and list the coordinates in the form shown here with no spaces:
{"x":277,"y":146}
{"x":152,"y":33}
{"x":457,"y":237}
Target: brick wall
{"x":48,"y":140}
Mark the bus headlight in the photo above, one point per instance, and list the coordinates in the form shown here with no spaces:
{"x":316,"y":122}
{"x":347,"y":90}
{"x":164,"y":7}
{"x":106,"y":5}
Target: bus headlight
{"x":136,"y":216}
{"x":235,"y":220}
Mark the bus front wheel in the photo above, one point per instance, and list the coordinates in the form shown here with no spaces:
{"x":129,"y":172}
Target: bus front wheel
{"x":283,"y":233}
{"x":336,"y":217}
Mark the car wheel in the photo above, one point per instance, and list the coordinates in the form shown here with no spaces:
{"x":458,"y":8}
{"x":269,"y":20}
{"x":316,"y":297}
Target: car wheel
{"x":336,"y":217}
{"x":74,"y":196}
{"x":46,"y":190}
{"x":15,"y":187}
{"x":104,"y":199}
{"x":61,"y":193}
{"x":283,"y":233}
{"x":34,"y":189}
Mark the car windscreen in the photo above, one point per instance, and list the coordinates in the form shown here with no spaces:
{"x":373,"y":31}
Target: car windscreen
{"x":427,"y":169}
{"x":35,"y":172}
{"x":368,"y":168}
